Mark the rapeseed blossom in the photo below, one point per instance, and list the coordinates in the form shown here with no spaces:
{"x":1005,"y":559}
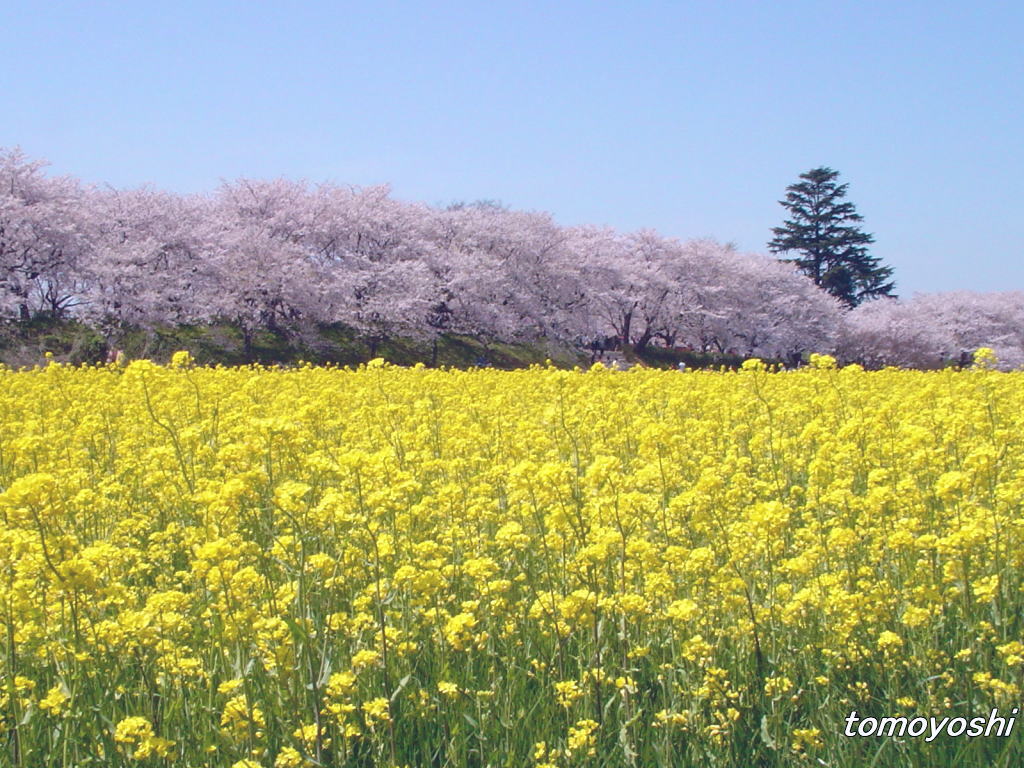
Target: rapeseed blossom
{"x":321,"y":566}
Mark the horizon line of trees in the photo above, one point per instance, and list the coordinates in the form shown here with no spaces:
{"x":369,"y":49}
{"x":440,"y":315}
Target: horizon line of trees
{"x":281,"y":255}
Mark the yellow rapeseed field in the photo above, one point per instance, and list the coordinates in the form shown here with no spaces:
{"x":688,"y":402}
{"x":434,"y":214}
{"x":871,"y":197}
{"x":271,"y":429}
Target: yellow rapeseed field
{"x":385,"y":566}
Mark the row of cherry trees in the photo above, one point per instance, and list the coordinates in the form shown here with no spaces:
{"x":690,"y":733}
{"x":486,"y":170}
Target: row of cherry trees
{"x":283,"y":255}
{"x":932,"y":329}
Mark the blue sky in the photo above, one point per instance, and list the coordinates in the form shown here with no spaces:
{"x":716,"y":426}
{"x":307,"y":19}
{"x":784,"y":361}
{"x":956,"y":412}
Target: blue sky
{"x":685,"y":117}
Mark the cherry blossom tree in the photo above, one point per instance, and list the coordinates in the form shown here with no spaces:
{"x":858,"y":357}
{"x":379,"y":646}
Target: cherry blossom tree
{"x":149,"y":263}
{"x":931,"y":330}
{"x":767,"y":309}
{"x":701,"y":295}
{"x":612,"y":278}
{"x":502,"y":274}
{"x":370,"y":251}
{"x":254,"y":241}
{"x":43,"y":238}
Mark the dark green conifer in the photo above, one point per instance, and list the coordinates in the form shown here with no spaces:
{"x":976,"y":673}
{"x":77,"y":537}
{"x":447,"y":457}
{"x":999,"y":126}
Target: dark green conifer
{"x":823,"y":229}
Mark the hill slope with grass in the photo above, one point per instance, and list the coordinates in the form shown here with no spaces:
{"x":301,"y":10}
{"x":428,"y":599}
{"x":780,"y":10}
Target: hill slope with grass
{"x":25,"y":344}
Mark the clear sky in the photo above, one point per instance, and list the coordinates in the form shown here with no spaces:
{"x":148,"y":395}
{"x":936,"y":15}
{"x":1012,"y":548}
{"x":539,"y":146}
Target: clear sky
{"x":685,"y":117}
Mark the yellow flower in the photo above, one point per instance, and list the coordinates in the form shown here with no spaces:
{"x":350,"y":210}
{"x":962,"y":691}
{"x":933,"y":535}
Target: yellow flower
{"x":307,"y":735}
{"x":228,"y":687}
{"x":985,"y":357}
{"x":55,"y":700}
{"x":137,"y":732}
{"x":133,"y":729}
{"x":377,"y":710}
{"x":581,"y":736}
{"x":776,"y":686}
{"x":806,"y":738}
{"x":567,"y":692}
{"x":889,"y":641}
{"x":181,"y":359}
{"x":365,"y":658}
{"x":449,"y":690}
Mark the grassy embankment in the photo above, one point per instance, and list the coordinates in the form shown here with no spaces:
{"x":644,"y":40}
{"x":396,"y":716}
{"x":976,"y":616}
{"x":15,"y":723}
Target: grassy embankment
{"x":26,"y":344}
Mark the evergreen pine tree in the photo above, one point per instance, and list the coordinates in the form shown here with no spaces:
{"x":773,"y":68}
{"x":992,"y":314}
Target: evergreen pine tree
{"x":833,"y":249}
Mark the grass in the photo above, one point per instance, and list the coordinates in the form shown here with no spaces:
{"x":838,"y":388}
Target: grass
{"x":27,"y":344}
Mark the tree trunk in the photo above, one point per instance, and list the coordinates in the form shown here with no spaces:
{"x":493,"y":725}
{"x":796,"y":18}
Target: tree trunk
{"x":643,"y":341}
{"x":627,"y":323}
{"x":247,"y":344}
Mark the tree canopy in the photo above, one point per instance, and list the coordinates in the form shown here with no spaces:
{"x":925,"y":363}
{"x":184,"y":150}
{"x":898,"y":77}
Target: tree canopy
{"x":286,"y":256}
{"x":823,"y":229}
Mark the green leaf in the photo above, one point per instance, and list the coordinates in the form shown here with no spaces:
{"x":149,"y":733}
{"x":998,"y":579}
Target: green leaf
{"x":765,"y":736}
